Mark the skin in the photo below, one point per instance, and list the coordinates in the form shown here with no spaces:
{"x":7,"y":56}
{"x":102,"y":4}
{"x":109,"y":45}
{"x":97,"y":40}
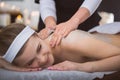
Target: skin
{"x":79,"y":51}
{"x":64,"y":28}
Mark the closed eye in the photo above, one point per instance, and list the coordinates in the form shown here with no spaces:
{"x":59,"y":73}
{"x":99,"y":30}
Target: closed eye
{"x":30,"y":62}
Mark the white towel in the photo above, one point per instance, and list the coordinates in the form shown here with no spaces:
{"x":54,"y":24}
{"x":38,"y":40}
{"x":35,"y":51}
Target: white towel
{"x":111,"y":28}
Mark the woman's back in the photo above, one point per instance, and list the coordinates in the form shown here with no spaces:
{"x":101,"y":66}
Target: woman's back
{"x":86,"y":44}
{"x":112,"y":39}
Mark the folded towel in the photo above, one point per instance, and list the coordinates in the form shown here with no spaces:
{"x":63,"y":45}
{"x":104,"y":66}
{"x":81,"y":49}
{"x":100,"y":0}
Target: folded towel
{"x":111,"y":28}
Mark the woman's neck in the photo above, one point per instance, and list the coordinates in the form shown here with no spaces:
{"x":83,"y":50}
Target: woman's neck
{"x":56,"y":51}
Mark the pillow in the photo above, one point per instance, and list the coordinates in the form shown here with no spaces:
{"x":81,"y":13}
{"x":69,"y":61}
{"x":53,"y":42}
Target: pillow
{"x":50,"y":75}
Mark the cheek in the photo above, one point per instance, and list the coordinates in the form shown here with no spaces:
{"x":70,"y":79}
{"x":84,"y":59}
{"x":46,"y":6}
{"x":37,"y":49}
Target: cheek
{"x":18,"y":62}
{"x":44,"y":51}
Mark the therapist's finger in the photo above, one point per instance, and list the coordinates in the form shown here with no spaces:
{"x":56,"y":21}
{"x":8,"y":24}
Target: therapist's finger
{"x":58,"y":40}
{"x":43,"y":34}
{"x":53,"y":40}
{"x":66,"y":33}
{"x":59,"y":37}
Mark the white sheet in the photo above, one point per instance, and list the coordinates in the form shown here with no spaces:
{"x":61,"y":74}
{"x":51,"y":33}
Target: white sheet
{"x":50,"y":75}
{"x":111,"y":28}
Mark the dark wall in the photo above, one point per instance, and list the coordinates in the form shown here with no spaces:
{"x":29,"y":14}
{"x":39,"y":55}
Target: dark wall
{"x":36,"y":1}
{"x":111,"y":6}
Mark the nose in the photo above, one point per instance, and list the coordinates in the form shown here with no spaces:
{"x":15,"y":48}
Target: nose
{"x":41,"y":61}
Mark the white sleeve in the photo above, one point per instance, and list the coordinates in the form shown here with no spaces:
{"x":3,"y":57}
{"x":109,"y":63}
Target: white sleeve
{"x":91,"y":5}
{"x":47,"y":8}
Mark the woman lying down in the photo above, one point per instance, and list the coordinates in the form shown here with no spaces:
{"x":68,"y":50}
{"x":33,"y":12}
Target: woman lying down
{"x":22,"y":49}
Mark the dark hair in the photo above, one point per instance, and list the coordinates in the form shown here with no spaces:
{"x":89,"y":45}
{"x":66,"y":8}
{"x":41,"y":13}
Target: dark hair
{"x":8,"y":34}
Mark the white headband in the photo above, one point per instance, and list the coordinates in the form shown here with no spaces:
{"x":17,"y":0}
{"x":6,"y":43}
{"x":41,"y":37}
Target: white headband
{"x":18,"y":43}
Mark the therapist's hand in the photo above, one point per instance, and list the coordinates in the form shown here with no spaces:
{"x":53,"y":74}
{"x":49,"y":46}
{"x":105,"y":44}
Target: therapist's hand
{"x":49,"y":28}
{"x":50,"y":24}
{"x":61,"y":31}
{"x":8,"y":66}
{"x":44,"y":33}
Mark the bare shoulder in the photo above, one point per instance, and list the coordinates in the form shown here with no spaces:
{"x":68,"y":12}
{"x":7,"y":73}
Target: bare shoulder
{"x":78,"y":34}
{"x":75,"y":37}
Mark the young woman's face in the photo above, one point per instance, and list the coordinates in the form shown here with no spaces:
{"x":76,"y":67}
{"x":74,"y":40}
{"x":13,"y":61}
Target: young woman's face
{"x":36,"y":54}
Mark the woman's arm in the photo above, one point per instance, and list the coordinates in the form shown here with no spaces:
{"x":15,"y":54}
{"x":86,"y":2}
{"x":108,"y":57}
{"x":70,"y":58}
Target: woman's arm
{"x":91,"y":5}
{"x":48,"y":15}
{"x":86,"y":9}
{"x":107,"y":64}
{"x":8,"y":66}
{"x":48,"y":12}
